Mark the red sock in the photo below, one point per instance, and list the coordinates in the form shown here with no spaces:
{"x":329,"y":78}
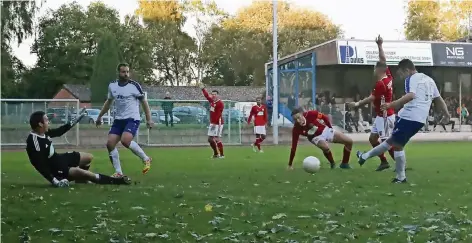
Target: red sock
{"x":391,"y":152}
{"x":329,"y":156}
{"x":258,"y":143}
{"x":213,"y":146}
{"x":346,"y":155}
{"x":220,"y":148}
{"x":382,"y":156}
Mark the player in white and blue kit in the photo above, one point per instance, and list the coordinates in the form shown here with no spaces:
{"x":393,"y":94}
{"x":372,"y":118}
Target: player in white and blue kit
{"x":127,"y":96}
{"x":421,"y":91}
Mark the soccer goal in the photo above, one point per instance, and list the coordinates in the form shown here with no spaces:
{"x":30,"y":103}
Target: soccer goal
{"x":15,"y":115}
{"x":185,"y":123}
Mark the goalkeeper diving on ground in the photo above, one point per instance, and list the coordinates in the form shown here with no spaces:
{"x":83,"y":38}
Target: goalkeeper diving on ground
{"x":61,"y":168}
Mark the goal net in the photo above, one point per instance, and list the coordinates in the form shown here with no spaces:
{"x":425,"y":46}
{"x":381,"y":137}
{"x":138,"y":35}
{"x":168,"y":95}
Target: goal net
{"x":15,"y":115}
{"x":185,"y":123}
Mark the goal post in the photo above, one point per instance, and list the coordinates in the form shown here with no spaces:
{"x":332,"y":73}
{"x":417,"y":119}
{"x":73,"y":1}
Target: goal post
{"x":15,"y":115}
{"x":186,"y":123}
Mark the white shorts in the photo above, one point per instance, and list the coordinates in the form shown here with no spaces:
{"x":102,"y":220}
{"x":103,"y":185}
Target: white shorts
{"x":260,"y":130}
{"x":327,"y":135}
{"x":215,"y":130}
{"x":384,"y":130}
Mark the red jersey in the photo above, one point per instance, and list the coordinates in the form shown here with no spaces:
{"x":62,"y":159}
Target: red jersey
{"x":260,"y":115}
{"x":383,"y":90}
{"x":216,"y":109}
{"x":314,"y":119}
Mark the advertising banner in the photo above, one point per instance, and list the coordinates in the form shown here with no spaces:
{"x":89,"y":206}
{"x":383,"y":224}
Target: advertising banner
{"x":366,"y":52}
{"x":452,"y":55}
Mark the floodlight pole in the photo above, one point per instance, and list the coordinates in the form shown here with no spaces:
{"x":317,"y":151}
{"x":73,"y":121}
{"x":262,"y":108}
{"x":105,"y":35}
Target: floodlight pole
{"x":275,"y":79}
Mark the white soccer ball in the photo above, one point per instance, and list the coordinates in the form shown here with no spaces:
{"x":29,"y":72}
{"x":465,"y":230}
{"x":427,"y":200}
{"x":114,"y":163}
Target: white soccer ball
{"x":311,"y":164}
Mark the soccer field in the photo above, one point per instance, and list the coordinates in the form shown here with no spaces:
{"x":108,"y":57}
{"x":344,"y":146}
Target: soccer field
{"x":247,"y":197}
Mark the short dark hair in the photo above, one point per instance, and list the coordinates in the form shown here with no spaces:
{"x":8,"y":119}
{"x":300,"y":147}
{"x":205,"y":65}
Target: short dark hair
{"x":121,"y":65}
{"x":215,"y":91}
{"x":406,"y":64}
{"x":381,"y":65}
{"x":36,"y":118}
{"x":297,"y":110}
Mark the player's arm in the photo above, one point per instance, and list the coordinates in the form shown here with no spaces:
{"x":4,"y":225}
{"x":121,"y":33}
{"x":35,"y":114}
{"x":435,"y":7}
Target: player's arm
{"x":410,"y":92}
{"x":440,"y":104}
{"x":251,"y":114}
{"x":106,"y":105}
{"x":205,"y":92}
{"x":293,"y":150}
{"x":382,"y":57}
{"x":36,"y":159}
{"x":367,"y":100}
{"x":57,"y":132}
{"x":325,"y":118}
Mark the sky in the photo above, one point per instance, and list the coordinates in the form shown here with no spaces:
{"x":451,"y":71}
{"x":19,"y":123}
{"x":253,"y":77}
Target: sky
{"x":359,"y":19}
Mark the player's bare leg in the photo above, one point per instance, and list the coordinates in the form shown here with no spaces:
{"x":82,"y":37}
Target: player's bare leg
{"x":113,"y":140}
{"x":127,"y":141}
{"x":219,"y":144}
{"x":85,"y":160}
{"x":374,"y":141}
{"x":212,"y":141}
{"x":76,"y":173}
{"x":345,"y":140}
{"x":324,"y":146}
{"x":256,"y":146}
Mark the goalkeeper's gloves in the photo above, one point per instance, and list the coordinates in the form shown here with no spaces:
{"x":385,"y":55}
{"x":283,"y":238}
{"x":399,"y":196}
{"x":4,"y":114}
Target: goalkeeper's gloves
{"x":77,"y":119}
{"x":60,"y":183}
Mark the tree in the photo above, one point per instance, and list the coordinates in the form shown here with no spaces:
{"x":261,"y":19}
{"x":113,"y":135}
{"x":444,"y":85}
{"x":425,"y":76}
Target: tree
{"x":104,"y":68}
{"x":173,"y":49}
{"x":244,"y":41}
{"x":205,"y":15}
{"x":16,"y":25}
{"x":67,"y":40}
{"x":437,"y":20}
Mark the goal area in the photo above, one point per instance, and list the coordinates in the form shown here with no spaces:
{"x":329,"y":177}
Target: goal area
{"x":185,"y":123}
{"x":15,"y":115}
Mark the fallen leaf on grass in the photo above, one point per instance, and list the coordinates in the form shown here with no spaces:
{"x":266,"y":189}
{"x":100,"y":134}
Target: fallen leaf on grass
{"x":279,"y":216}
{"x":208,"y":208}
{"x":137,"y":208}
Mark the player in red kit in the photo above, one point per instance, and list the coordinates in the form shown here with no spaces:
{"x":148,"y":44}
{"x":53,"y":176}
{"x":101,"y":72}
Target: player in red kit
{"x":259,"y":112}
{"x":215,"y":130}
{"x":382,"y":93}
{"x":317,"y":128}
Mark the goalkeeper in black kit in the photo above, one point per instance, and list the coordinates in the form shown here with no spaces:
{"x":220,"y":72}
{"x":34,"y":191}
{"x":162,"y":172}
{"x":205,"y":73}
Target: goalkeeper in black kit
{"x":59,"y":168}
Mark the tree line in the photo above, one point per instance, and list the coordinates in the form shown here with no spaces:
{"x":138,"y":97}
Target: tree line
{"x":225,"y":49}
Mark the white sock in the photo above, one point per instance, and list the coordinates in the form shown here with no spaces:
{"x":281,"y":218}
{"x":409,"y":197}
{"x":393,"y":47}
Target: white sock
{"x":400,"y":163}
{"x":376,"y":151}
{"x":138,"y":151}
{"x":97,"y":176}
{"x":115,"y":160}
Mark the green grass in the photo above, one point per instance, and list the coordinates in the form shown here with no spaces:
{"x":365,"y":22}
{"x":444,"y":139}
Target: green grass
{"x":253,"y":198}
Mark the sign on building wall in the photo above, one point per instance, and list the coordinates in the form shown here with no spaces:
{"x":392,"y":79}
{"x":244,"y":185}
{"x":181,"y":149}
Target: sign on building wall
{"x":367,"y":53}
{"x":453,"y":55}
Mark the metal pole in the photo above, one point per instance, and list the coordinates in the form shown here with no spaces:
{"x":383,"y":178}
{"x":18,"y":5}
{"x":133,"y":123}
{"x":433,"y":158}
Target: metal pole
{"x":275,"y":79}
{"x":460,"y":104}
{"x":77,"y":131}
{"x":148,"y":130}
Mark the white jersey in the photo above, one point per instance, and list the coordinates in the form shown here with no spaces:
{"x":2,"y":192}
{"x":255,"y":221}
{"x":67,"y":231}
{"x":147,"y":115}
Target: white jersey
{"x":126,"y":99}
{"x":425,"y":91}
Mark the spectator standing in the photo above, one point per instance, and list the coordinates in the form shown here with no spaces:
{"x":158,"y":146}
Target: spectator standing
{"x":168,"y":106}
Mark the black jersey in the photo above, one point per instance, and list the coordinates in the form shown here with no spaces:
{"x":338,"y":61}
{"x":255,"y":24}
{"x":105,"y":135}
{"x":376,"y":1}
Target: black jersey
{"x":41,"y":151}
